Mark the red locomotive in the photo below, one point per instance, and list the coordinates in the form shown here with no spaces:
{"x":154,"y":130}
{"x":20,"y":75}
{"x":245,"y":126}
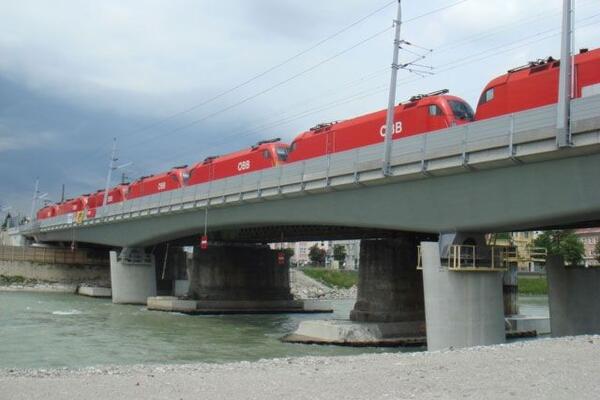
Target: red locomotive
{"x":48,"y":211}
{"x":421,"y":114}
{"x":264,"y":154}
{"x":536,"y":85}
{"x":147,"y":185}
{"x":73,"y":205}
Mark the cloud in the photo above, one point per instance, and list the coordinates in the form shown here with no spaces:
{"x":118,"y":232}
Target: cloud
{"x":74,"y":74}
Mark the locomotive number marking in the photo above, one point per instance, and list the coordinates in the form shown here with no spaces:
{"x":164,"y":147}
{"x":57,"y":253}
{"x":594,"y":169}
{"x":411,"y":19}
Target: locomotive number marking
{"x":397,"y":128}
{"x":243,"y":165}
{"x":162,"y":185}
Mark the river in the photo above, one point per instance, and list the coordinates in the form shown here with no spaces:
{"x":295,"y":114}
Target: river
{"x":45,"y":330}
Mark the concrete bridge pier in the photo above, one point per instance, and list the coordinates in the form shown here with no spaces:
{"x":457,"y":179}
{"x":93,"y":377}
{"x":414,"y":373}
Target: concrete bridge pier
{"x":574,"y":299}
{"x":389,"y":310}
{"x":132,"y":276}
{"x":463,"y":308}
{"x":390,"y":288}
{"x":241,"y":278}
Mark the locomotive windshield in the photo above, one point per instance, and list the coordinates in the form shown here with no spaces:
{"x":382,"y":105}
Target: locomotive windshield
{"x":282,"y":153}
{"x":461,"y":110}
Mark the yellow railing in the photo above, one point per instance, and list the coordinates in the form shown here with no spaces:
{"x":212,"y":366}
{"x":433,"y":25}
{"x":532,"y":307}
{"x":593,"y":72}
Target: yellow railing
{"x":471,"y":258}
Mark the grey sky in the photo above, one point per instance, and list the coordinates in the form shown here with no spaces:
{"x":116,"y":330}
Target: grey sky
{"x":73,"y":74}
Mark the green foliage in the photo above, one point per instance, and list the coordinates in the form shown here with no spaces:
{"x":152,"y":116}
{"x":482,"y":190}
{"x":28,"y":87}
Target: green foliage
{"x":339,"y":252}
{"x":564,"y":243}
{"x":6,"y":222}
{"x":17,"y":280}
{"x":316,"y":255}
{"x":533,"y":285}
{"x":333,"y":278}
{"x":289,"y":252}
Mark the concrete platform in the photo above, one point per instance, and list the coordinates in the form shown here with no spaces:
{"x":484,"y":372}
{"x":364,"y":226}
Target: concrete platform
{"x":523,"y":323}
{"x":370,"y":334}
{"x":95,"y":291}
{"x":359,"y":334}
{"x":175,"y":304}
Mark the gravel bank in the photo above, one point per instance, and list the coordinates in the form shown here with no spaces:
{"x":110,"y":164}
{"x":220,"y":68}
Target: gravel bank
{"x":305,"y":287}
{"x":566,"y":368}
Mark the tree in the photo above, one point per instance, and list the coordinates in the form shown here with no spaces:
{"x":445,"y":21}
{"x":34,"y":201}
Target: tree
{"x":597,"y":250}
{"x":7,"y":222}
{"x":316,"y":255}
{"x":564,"y":243}
{"x":339,"y":252}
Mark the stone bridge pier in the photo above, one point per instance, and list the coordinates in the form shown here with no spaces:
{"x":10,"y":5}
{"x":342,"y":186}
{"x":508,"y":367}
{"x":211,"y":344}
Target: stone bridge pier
{"x":241,"y":278}
{"x":390,"y":288}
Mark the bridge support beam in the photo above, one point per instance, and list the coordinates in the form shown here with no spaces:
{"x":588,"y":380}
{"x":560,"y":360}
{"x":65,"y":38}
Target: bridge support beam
{"x":132,"y":276}
{"x":241,"y":279}
{"x":574,"y":299}
{"x":462,"y":308}
{"x":390,"y":288}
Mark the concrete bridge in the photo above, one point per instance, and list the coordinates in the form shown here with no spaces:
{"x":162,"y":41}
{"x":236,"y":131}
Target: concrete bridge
{"x":502,"y":174}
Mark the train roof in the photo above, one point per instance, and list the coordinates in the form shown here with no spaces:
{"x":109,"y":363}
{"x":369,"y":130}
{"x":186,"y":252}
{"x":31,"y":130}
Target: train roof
{"x":543,"y":64}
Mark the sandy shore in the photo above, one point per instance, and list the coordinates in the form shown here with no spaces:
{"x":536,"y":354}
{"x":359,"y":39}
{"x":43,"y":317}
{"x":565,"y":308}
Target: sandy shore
{"x":567,"y":368}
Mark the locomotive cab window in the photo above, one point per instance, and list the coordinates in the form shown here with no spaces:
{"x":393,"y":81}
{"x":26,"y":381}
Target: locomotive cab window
{"x":486,"y":96}
{"x":461,"y":110}
{"x":435,"y":110}
{"x":282,"y":153}
{"x":266,"y":154}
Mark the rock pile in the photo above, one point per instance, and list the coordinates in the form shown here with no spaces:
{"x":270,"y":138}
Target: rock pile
{"x":304,"y":287}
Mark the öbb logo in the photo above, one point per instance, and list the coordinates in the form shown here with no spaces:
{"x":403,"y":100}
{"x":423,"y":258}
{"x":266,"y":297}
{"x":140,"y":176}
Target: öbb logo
{"x":243,"y":165}
{"x":396,"y":130}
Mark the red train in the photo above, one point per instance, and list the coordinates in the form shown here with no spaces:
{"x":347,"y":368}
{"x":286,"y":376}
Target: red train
{"x":422,"y":113}
{"x":175,"y":178}
{"x":523,"y":88}
{"x":265,"y":154}
{"x":536,"y":85}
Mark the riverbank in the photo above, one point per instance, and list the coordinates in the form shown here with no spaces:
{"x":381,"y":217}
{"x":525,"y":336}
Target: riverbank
{"x":303,"y":286}
{"x":538,"y":369}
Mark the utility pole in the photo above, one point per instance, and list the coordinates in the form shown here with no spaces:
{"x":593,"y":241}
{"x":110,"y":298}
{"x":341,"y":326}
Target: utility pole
{"x":36,"y":193}
{"x":389,"y":126}
{"x":111,"y":167}
{"x":563,"y":124}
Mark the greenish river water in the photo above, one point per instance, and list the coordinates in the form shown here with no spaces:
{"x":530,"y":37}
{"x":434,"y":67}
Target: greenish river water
{"x":41,"y":330}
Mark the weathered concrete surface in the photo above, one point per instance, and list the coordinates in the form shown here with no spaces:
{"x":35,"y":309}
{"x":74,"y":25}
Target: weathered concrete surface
{"x":133,"y":276}
{"x":390,"y":289}
{"x":574,"y":298}
{"x":462,"y":309}
{"x":355,"y":332}
{"x":94,"y":291}
{"x":510,"y":289}
{"x":170,"y":303}
{"x":566,"y":368}
{"x":63,"y":273}
{"x":238,"y":273}
{"x":522,"y":323}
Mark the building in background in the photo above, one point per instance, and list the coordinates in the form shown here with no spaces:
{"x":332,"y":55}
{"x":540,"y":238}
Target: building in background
{"x":589,"y":237}
{"x":302,"y":249}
